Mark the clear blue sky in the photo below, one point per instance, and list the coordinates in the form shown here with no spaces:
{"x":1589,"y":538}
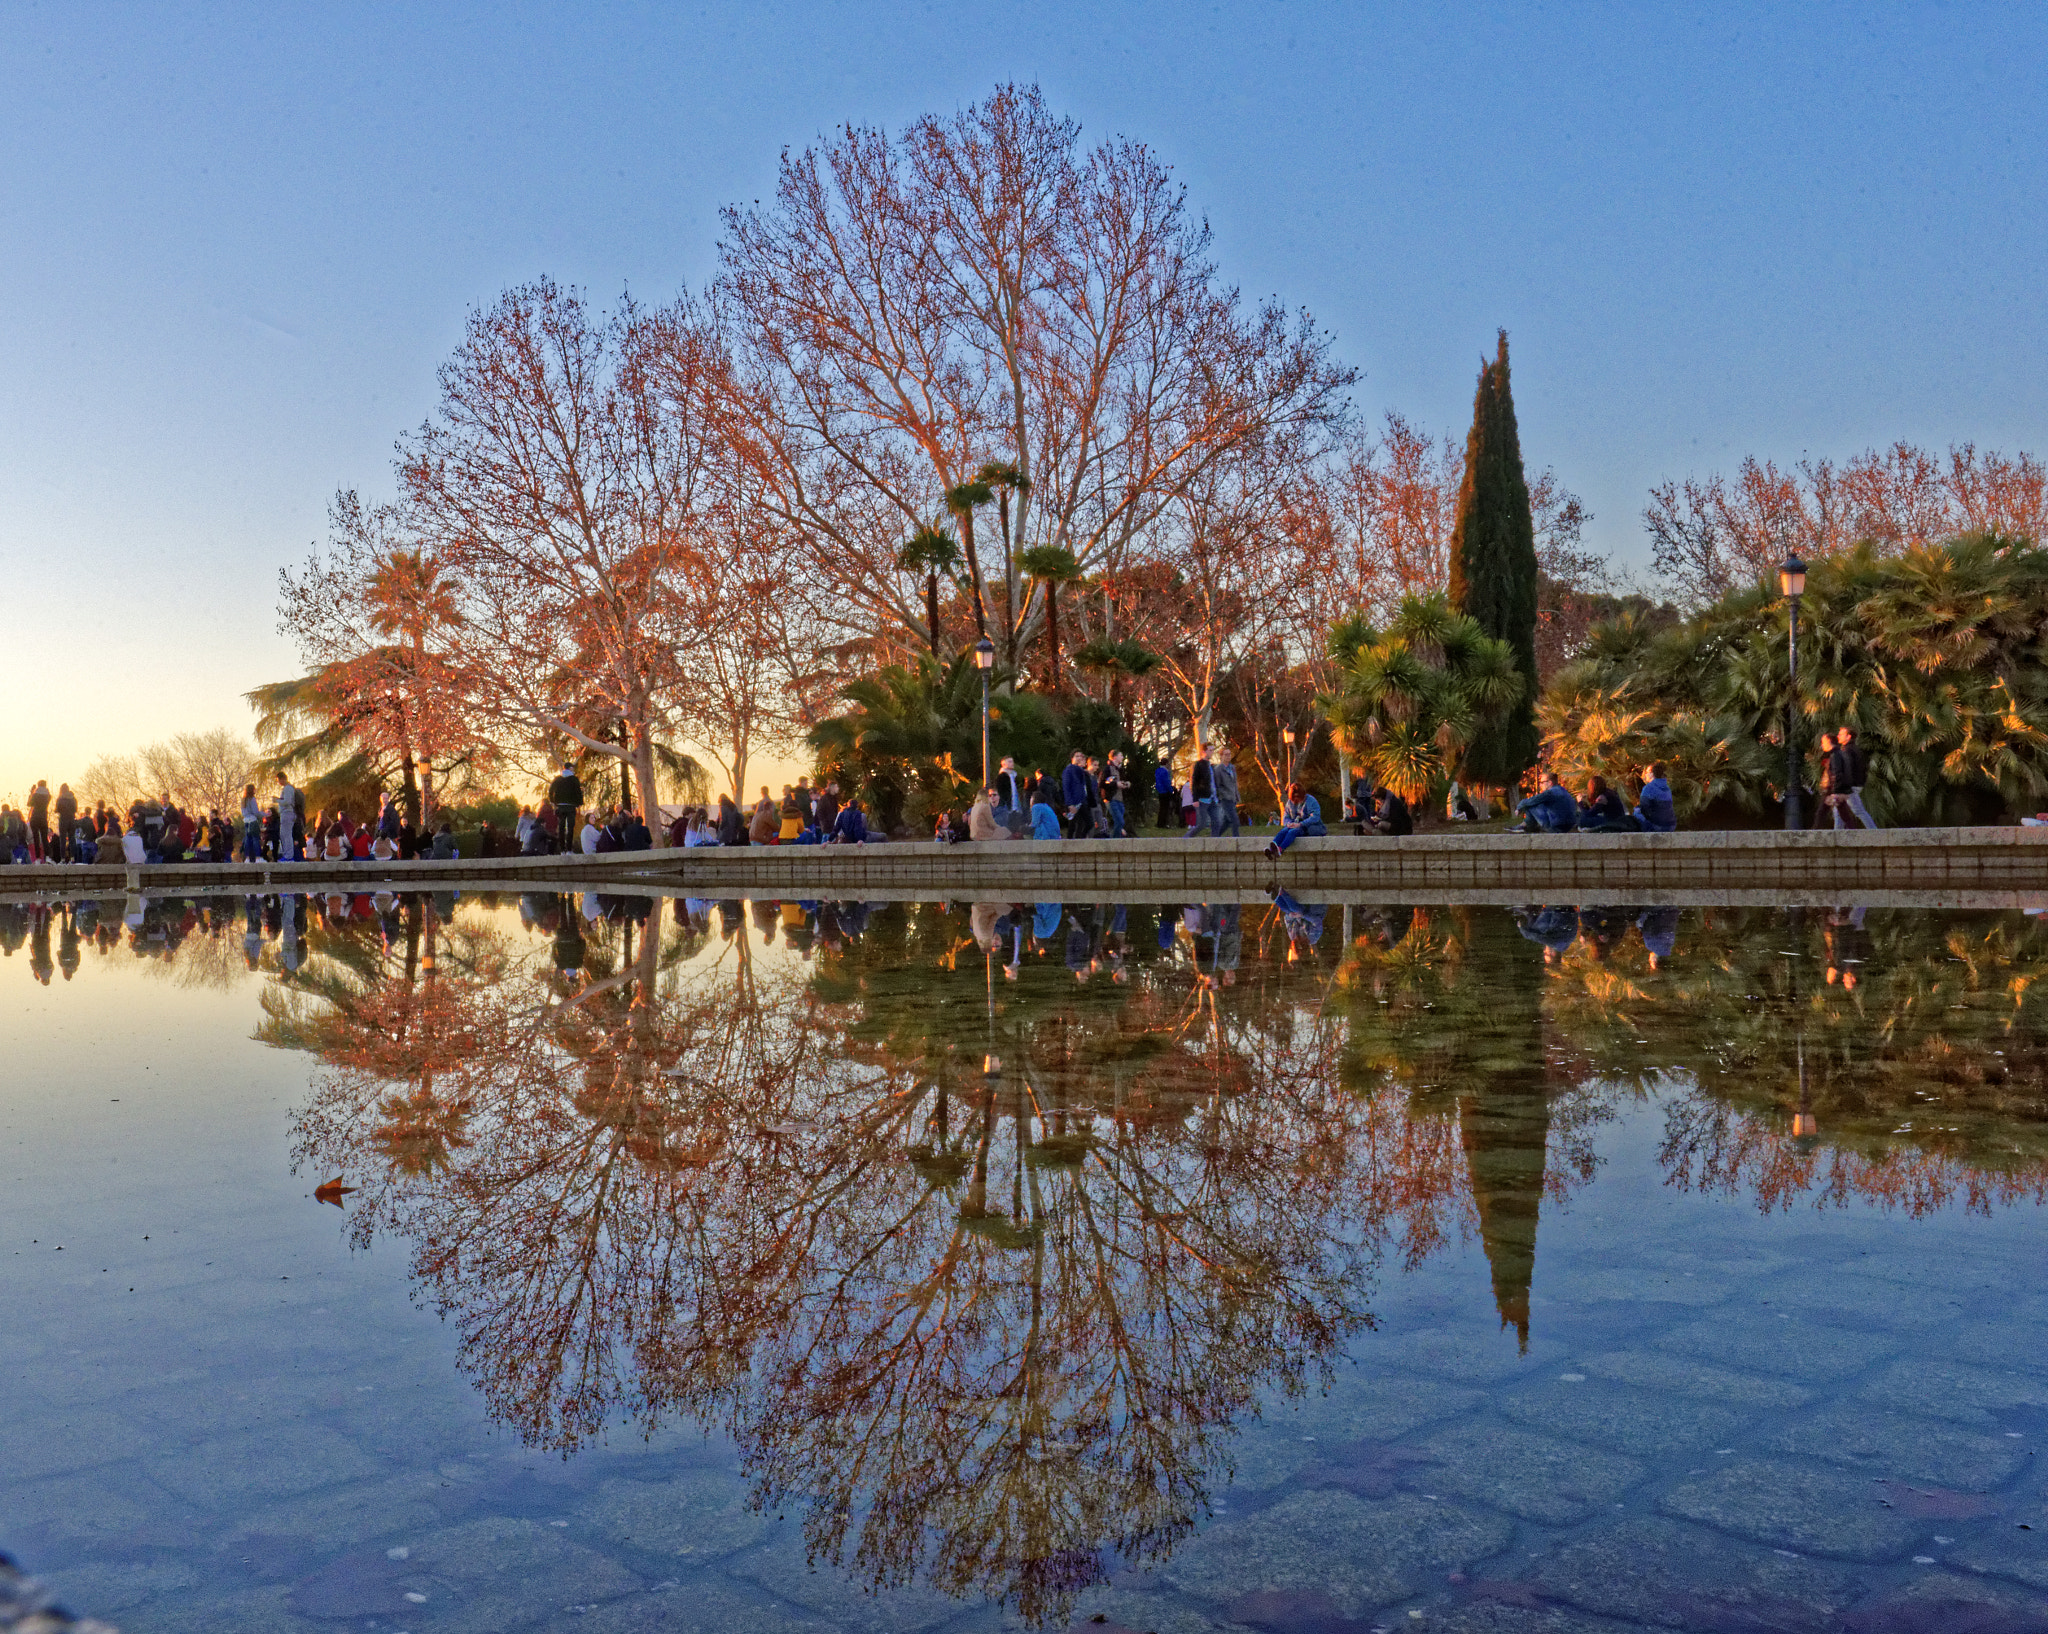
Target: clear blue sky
{"x":235,"y":242}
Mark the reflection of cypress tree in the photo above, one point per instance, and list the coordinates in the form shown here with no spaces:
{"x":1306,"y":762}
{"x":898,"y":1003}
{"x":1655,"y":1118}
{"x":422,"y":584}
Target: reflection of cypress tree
{"x":1504,"y":1112}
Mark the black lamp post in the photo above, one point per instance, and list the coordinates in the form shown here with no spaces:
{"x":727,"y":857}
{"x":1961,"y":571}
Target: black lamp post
{"x":1287,"y":736}
{"x":1792,"y":580}
{"x":984,"y":660}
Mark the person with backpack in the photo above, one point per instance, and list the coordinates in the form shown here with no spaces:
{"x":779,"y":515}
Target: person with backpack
{"x":39,"y":821}
{"x":565,"y":794}
{"x":67,"y":820}
{"x":1223,"y":781}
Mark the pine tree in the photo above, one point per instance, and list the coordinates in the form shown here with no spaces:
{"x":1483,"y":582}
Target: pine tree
{"x":1493,"y":567}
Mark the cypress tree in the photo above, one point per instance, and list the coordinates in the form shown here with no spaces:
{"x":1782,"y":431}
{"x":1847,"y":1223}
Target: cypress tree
{"x":1493,"y":567}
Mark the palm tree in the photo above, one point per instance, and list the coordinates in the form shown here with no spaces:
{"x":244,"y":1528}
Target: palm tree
{"x":1052,"y":566}
{"x":1005,"y":479}
{"x":961,"y":501}
{"x":930,"y":551}
{"x":911,"y":726}
{"x":1117,"y":660}
{"x":1412,"y":697}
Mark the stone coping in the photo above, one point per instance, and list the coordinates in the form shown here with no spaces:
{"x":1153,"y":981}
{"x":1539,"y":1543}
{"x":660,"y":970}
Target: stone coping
{"x":1983,"y":866}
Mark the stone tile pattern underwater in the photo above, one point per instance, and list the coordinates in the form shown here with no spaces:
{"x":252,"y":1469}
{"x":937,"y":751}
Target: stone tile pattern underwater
{"x":1819,"y":1439}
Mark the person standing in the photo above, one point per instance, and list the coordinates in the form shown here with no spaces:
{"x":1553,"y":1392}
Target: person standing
{"x":1169,"y":799}
{"x":67,"y":819}
{"x":39,"y":821}
{"x":287,"y":820}
{"x":252,"y":825}
{"x":1116,"y":795}
{"x":565,"y":794}
{"x":1855,"y":770}
{"x":1202,"y":786}
{"x":1076,"y":795}
{"x":1224,"y":783}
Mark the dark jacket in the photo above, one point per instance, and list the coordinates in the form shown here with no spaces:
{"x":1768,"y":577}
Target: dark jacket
{"x":1010,"y":791}
{"x":1392,"y":810}
{"x":1654,"y":809}
{"x":1201,"y":778}
{"x":851,"y":827}
{"x":565,"y":790}
{"x":732,"y":827}
{"x":638,"y":838}
{"x":1076,"y":787}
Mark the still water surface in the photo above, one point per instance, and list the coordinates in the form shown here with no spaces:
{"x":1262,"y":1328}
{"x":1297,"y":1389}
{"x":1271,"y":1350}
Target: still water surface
{"x":1243,"y":1266}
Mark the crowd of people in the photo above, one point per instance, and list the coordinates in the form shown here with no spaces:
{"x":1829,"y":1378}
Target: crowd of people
{"x":1091,"y":797}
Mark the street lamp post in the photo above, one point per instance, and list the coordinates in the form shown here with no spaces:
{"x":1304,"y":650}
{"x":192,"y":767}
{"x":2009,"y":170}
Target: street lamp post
{"x":1287,"y":737}
{"x":984,"y":660}
{"x":1792,"y":580}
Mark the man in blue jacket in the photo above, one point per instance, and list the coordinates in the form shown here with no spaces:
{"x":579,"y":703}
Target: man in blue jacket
{"x":1654,"y":812}
{"x":1077,"y":795}
{"x":1554,"y":811}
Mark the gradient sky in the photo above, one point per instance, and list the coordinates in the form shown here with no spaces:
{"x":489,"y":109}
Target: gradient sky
{"x":236,"y":241}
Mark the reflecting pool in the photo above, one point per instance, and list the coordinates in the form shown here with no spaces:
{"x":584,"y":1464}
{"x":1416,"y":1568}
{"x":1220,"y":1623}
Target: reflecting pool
{"x":423,"y":1263}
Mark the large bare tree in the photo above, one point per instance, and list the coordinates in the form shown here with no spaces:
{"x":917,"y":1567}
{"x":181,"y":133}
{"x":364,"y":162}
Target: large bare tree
{"x":563,"y":481}
{"x":983,"y":292}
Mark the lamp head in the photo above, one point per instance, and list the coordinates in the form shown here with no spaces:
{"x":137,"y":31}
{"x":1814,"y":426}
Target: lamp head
{"x":1792,"y":576}
{"x":984,"y":653}
{"x":1287,"y":734}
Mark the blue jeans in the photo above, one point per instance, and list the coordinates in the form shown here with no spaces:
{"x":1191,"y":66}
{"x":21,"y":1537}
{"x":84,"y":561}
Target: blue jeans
{"x":1205,"y":819}
{"x":1294,"y":831}
{"x":1854,"y":801}
{"x":1222,"y":813}
{"x":252,"y":843}
{"x":1117,"y":831}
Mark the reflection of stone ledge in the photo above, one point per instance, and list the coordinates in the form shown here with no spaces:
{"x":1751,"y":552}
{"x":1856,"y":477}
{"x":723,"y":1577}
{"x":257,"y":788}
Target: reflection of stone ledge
{"x":25,"y":1608}
{"x":1930,"y":867}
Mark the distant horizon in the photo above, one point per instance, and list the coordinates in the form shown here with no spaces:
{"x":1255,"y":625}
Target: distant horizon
{"x":239,"y":251}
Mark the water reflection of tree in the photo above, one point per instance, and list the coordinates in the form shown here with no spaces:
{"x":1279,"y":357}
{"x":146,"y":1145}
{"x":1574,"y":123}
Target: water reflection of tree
{"x":986,"y":1316}
{"x":1447,"y":1014}
{"x":1892,"y":1058}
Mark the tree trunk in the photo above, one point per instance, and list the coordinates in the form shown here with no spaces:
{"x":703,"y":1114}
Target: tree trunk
{"x":966,"y":515}
{"x":409,"y":796}
{"x":931,"y":609}
{"x":643,"y":769}
{"x":1052,"y":632}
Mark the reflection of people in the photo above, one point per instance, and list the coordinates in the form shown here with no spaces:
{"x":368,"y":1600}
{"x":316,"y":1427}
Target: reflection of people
{"x":1658,"y":928}
{"x":1555,"y":928}
{"x":1848,"y":947}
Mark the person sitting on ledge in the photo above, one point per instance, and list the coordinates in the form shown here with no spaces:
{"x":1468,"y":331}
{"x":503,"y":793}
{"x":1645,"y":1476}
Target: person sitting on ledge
{"x":1603,"y":812}
{"x":444,"y":842}
{"x":1045,"y":816}
{"x":1554,"y":811}
{"x":982,"y":822}
{"x":851,"y":826}
{"x":1655,"y":813}
{"x":1390,"y":814}
{"x":638,"y":836}
{"x":1303,"y":814}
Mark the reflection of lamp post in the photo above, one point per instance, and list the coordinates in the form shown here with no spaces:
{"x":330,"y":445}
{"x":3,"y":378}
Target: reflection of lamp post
{"x":1792,"y":580}
{"x":1287,"y":737}
{"x":984,"y":660}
